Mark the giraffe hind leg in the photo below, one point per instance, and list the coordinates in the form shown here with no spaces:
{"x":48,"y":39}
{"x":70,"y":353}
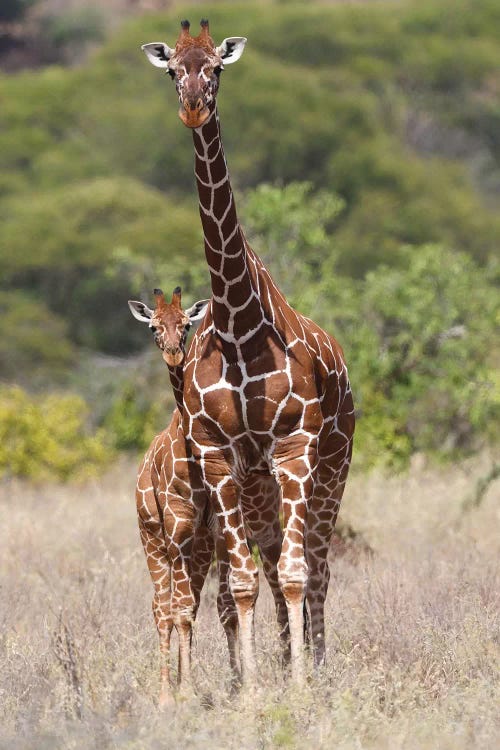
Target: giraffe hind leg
{"x":228,"y":615}
{"x":321,"y":525}
{"x":260,"y":500}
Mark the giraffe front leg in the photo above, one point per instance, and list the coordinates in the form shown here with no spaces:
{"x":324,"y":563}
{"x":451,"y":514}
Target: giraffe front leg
{"x":295,"y":476}
{"x":160,"y":571}
{"x":243,"y":573}
{"x":270,"y":555}
{"x":183,"y":612}
{"x":179,"y":534}
{"x":192,"y":569}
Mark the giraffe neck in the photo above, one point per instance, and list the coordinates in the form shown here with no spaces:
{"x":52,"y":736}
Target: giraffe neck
{"x":236,"y":308}
{"x":176,"y":375}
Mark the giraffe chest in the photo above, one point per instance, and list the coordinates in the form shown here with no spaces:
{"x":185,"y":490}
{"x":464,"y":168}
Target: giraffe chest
{"x":232,"y":394}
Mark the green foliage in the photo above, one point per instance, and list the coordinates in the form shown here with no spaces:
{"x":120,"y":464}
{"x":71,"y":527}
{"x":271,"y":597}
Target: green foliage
{"x":33,"y":341}
{"x":132,"y":399}
{"x":133,"y":418}
{"x":342,"y":86}
{"x":365,"y":141}
{"x":291,"y":228}
{"x":419,"y":345}
{"x":73,"y":28}
{"x":45,"y":437}
{"x":94,"y":246}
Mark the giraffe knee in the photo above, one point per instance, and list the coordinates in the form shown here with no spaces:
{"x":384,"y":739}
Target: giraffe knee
{"x":184,"y":618}
{"x":293,"y":578}
{"x":293,"y":591}
{"x":244,"y":589}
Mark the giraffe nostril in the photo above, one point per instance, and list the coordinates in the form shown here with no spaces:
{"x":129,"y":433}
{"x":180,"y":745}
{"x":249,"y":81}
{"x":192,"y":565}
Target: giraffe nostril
{"x":192,"y":106}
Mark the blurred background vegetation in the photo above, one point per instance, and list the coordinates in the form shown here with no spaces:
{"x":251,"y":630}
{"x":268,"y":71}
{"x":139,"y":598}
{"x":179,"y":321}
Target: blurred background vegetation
{"x":363,"y":140}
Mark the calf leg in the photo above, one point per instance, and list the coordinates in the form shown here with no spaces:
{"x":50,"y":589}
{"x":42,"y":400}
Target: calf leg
{"x":159,"y":568}
{"x":179,"y":522}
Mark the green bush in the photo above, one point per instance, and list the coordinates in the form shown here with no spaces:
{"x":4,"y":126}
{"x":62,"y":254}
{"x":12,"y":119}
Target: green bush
{"x":291,"y":227}
{"x":339,"y":100}
{"x":387,"y":117}
{"x":87,"y":249}
{"x":45,"y":437}
{"x":73,"y":28}
{"x":418,"y":340}
{"x":134,"y":418}
{"x":34,"y":344}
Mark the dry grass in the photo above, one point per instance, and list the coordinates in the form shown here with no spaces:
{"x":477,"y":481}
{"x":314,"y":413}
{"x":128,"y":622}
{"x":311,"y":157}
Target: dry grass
{"x":413,"y":630}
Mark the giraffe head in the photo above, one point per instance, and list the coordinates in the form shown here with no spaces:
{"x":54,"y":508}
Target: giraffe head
{"x":195,"y":64}
{"x":169,"y":322}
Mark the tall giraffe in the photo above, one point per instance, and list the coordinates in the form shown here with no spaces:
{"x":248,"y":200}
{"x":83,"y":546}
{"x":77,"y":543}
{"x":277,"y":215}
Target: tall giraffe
{"x":173,"y":514}
{"x":266,"y":391}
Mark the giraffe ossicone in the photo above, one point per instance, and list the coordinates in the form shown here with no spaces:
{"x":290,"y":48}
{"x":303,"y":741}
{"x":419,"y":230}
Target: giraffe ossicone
{"x":266,"y":393}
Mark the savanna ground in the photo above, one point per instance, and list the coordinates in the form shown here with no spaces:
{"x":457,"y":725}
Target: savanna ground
{"x":412,"y":627}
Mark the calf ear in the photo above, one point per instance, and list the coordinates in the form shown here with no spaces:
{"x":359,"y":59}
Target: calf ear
{"x":140,"y":311}
{"x":158,"y":53}
{"x":231,"y":49}
{"x":198,"y":310}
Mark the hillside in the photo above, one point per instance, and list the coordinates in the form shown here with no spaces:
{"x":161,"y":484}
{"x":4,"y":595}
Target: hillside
{"x":376,"y":126}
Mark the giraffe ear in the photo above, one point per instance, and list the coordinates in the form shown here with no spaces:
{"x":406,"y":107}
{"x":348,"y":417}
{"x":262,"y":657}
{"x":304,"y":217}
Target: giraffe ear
{"x":140,"y":311}
{"x":158,"y":54}
{"x":231,"y":49}
{"x":198,"y":310}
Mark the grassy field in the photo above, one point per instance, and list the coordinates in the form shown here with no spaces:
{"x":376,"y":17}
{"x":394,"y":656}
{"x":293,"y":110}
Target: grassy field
{"x":412,"y":627}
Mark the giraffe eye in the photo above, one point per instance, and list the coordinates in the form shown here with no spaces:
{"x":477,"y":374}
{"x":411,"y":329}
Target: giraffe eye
{"x":153,"y":329}
{"x":218,"y":70}
{"x":171,"y":73}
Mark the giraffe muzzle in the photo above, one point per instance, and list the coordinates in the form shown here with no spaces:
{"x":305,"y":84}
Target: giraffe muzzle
{"x":193,"y":113}
{"x":173,"y":356}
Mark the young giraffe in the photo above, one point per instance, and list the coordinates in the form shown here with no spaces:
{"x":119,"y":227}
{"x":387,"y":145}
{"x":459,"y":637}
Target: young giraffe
{"x":266,"y":391}
{"x":172,"y":507}
{"x":176,"y":537}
